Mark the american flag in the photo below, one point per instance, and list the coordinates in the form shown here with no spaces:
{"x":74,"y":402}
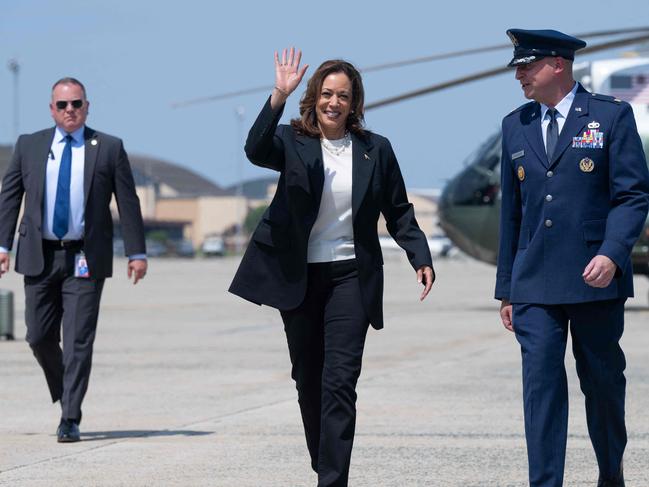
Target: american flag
{"x":633,"y":88}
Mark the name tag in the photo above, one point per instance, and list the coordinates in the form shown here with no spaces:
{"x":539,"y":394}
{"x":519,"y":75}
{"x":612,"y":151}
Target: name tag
{"x":518,"y":155}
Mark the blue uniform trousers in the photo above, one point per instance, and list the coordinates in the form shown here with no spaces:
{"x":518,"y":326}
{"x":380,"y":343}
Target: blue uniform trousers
{"x":542,"y":331}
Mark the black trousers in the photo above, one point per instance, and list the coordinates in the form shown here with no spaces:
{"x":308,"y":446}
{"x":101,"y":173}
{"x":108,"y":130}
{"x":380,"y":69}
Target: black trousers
{"x":56,"y":299}
{"x":326,"y":337}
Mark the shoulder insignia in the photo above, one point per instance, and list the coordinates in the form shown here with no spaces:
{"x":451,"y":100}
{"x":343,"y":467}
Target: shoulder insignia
{"x":518,"y":109}
{"x":610,"y":99}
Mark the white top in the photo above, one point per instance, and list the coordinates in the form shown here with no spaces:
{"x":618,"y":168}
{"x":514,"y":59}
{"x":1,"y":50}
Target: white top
{"x":76,"y":222}
{"x":332,"y":235}
{"x":563,"y":108}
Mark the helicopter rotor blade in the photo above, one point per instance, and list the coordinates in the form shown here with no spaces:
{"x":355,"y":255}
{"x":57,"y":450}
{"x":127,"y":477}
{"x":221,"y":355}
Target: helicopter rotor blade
{"x":493,"y":72}
{"x":403,"y":63}
{"x":496,"y":47}
{"x":222,"y":96}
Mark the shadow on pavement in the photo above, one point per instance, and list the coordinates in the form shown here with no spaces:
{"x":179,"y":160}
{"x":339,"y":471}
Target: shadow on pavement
{"x":114,"y":435}
{"x":635,"y":308}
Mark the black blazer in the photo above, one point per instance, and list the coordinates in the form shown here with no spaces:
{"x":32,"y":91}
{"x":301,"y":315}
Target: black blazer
{"x":106,"y":172}
{"x":273,"y":270}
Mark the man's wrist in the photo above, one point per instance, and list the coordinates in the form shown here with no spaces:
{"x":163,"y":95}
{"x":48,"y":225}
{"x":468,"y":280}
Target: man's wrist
{"x":137,"y":257}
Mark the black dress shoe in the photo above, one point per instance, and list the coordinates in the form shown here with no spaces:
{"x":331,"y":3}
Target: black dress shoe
{"x":68,"y":431}
{"x":617,"y":481}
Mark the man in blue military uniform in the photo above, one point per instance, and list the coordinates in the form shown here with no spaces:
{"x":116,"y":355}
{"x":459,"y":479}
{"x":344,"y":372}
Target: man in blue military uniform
{"x":575,"y":194}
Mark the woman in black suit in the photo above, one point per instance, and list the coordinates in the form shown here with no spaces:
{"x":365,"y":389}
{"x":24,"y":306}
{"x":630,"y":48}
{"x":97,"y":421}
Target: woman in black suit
{"x":315,"y":255}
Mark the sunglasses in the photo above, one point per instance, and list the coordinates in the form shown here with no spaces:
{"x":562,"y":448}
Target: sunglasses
{"x":63,"y":104}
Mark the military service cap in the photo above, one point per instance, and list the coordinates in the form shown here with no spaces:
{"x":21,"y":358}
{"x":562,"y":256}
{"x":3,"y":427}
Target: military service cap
{"x":532,"y":45}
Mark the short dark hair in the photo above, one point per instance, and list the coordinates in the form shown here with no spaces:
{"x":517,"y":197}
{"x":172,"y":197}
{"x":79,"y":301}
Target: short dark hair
{"x":68,"y":80}
{"x":307,"y":124}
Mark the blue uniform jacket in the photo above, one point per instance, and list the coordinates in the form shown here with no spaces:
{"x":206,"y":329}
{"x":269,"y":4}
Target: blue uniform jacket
{"x":590,"y":198}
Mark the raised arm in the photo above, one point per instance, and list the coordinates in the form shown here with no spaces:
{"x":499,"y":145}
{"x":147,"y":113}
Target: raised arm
{"x":263,"y":146}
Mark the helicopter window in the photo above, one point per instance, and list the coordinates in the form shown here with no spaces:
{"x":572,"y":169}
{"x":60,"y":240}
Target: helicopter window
{"x":481,"y":155}
{"x":479,"y":183}
{"x":621,"y":82}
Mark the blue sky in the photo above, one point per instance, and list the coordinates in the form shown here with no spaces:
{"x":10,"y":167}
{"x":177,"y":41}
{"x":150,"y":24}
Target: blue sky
{"x":138,"y":57}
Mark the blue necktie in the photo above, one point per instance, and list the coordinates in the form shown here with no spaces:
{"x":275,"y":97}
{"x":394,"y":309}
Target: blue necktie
{"x":552,"y":133}
{"x":62,"y":202}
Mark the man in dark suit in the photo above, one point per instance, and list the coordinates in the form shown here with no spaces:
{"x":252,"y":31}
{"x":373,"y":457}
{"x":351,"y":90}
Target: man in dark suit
{"x":68,"y":175}
{"x":575,"y":192}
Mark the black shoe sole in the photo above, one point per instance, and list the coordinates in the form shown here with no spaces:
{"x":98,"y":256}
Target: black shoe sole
{"x":67,"y":440}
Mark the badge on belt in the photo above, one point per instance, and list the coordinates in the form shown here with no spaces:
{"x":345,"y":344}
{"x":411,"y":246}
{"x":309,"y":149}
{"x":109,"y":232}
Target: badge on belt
{"x":590,"y":139}
{"x":81,"y":266}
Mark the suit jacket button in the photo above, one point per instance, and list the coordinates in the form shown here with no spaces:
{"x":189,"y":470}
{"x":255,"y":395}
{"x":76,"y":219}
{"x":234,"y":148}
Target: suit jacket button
{"x":548,"y":198}
{"x":549,"y":174}
{"x":548,"y":223}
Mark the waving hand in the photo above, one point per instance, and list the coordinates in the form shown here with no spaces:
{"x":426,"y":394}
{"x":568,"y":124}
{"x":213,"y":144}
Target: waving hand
{"x":288,"y":75}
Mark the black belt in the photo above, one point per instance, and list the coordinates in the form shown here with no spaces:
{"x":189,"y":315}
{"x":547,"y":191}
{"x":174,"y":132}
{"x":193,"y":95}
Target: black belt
{"x":62,"y":244}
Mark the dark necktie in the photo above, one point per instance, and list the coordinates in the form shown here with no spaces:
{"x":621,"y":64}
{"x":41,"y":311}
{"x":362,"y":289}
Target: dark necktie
{"x":62,"y":202}
{"x":552,"y":133}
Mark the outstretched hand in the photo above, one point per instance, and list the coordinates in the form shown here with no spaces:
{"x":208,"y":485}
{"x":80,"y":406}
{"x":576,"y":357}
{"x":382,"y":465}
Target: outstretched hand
{"x":288,"y":75}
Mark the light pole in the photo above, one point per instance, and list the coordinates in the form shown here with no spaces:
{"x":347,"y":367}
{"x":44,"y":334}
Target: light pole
{"x":239,"y":113}
{"x":14,"y":67}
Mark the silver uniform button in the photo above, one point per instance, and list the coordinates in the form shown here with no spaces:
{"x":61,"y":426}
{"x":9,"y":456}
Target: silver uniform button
{"x":548,"y":198}
{"x":549,"y":174}
{"x":548,"y":223}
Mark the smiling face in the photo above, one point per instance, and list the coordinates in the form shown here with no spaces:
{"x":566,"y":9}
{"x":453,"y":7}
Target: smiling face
{"x":334,"y":105}
{"x":69,"y":118}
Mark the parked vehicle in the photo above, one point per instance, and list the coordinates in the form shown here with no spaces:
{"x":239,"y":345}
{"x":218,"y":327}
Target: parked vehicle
{"x":155,"y":248}
{"x":213,"y":245}
{"x":181,"y":248}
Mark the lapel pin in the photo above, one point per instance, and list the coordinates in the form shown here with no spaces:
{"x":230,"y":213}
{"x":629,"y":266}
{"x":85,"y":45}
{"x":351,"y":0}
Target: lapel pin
{"x":593,"y":125}
{"x":578,"y":109}
{"x":93,"y":142}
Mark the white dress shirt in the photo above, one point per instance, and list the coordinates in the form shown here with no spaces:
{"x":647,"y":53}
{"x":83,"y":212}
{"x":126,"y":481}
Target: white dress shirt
{"x":332,"y":235}
{"x":562,"y":108}
{"x":76,"y":222}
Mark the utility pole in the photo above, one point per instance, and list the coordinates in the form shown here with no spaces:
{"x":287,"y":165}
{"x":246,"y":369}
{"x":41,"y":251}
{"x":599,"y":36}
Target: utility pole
{"x":239,"y":113}
{"x":14,"y":67}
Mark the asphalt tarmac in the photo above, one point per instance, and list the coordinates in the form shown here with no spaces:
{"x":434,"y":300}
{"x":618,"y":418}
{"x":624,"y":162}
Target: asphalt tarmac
{"x":191,"y":387}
